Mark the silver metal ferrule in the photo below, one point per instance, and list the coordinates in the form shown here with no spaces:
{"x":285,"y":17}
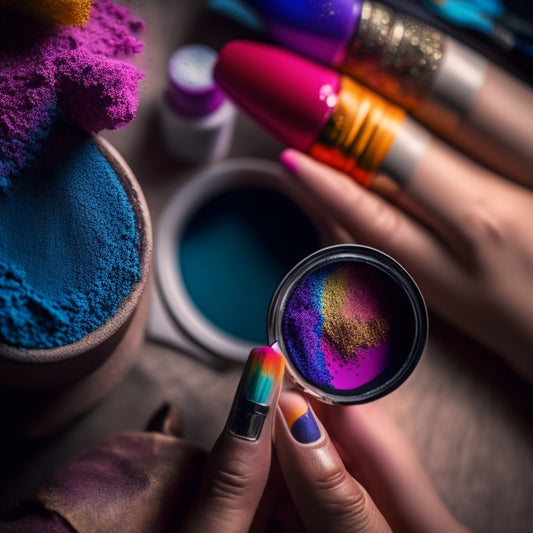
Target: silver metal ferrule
{"x":407,"y":150}
{"x":460,"y":76}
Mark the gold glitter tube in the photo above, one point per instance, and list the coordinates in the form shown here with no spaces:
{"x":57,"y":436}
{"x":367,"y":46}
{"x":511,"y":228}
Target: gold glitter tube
{"x":395,"y":54}
{"x":467,"y":100}
{"x":464,"y":98}
{"x":359,"y":133}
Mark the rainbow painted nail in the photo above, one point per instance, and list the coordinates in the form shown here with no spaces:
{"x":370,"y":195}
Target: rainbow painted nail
{"x":261,"y":378}
{"x":299,"y":417}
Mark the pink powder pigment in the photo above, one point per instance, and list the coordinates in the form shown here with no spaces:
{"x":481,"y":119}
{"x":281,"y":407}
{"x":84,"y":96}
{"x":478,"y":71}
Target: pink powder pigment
{"x":51,"y":72}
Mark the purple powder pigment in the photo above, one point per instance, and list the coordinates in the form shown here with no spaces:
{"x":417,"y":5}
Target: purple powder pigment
{"x":339,"y":326}
{"x":76,"y":74}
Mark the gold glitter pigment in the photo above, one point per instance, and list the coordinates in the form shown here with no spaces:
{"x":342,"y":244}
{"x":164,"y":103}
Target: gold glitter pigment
{"x":394,"y":54}
{"x":359,"y":132}
{"x":349,"y":334}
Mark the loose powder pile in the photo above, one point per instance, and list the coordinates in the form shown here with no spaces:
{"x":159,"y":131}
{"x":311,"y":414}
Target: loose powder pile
{"x":338,"y":325}
{"x":52,"y":72}
{"x":69,"y":250}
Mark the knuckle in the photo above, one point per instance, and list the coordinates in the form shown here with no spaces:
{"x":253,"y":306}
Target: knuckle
{"x":346,"y":500}
{"x":387,"y":223}
{"x":383,"y":217}
{"x":331,"y":479}
{"x":231,"y":481}
{"x":387,"y":219}
{"x":484,"y":223}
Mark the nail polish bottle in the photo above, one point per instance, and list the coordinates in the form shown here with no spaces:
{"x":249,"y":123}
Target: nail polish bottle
{"x":197,"y":120}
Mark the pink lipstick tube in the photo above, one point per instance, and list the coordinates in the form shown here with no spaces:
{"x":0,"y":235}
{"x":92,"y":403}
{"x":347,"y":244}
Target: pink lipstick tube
{"x":321,"y":112}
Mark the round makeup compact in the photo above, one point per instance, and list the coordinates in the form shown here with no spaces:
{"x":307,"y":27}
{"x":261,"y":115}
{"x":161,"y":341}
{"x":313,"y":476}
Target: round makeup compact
{"x":351,"y":322}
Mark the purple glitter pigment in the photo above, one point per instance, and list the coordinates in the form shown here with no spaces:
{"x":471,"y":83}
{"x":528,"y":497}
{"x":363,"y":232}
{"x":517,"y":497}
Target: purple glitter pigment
{"x":52,"y":72}
{"x":337,"y":323}
{"x":351,"y":323}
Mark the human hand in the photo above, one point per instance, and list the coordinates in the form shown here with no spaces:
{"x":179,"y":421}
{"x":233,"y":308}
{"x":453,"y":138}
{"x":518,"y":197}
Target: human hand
{"x":354,"y":471}
{"x":238,"y":467}
{"x":461,"y":231}
{"x":329,"y":493}
{"x":146,"y":481}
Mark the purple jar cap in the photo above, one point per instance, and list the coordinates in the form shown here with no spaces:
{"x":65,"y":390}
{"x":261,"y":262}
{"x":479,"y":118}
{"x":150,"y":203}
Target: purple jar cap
{"x":319,"y":30}
{"x":192,"y":90}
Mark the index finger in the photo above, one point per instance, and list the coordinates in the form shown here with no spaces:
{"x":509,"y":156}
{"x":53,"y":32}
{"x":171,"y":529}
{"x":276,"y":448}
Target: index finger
{"x":239,"y":465}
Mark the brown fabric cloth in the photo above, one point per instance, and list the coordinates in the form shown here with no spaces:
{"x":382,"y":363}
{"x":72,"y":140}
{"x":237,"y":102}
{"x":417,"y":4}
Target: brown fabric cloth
{"x":132,"y":481}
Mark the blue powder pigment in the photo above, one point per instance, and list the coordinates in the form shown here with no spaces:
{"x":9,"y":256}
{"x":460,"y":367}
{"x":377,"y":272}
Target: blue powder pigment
{"x":303,"y":327}
{"x":69,"y":250}
{"x":234,"y":252}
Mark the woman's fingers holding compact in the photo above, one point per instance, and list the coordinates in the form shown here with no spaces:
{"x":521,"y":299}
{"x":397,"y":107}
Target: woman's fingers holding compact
{"x":326,"y":496}
{"x":238,"y":467}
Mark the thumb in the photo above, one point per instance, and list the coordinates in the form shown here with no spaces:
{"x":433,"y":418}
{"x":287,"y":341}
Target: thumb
{"x":327,"y":497}
{"x":238,"y":467}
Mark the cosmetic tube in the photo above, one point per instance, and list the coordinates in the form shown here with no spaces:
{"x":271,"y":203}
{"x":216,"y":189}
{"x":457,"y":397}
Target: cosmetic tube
{"x":318,"y":111}
{"x":456,"y":92}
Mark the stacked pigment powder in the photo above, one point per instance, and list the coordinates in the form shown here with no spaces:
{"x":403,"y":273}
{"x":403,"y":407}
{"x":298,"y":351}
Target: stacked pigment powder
{"x":338,"y":325}
{"x":69,"y":242}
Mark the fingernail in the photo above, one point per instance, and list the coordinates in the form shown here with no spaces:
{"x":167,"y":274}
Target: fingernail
{"x":287,"y":160}
{"x":299,"y":417}
{"x":261,"y":378}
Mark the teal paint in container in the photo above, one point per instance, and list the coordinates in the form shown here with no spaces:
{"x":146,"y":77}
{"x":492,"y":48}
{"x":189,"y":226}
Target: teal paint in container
{"x":223,"y":244}
{"x":234,"y":252}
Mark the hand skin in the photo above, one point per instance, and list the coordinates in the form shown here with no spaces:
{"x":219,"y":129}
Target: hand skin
{"x":377,"y":453}
{"x":462,"y":232}
{"x":326,"y":489}
{"x":244,"y":486}
{"x":240,"y":491}
{"x":325,"y":495}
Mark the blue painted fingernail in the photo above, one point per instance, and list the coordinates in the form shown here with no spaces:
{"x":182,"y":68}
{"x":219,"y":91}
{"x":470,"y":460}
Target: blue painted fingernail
{"x":299,"y":417}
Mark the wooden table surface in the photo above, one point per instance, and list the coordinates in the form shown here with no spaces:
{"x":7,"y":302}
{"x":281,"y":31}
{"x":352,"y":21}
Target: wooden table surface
{"x":468,"y":416}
